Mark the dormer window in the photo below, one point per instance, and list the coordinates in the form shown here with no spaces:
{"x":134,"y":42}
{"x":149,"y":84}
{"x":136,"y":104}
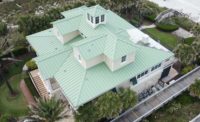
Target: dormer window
{"x":123,"y":59}
{"x":97,"y":20}
{"x":102,"y":18}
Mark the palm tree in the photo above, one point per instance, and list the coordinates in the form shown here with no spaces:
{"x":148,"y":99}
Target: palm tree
{"x":195,"y":89}
{"x":108,"y":105}
{"x":185,"y":53}
{"x":128,"y":98}
{"x":2,"y":77}
{"x":48,"y":110}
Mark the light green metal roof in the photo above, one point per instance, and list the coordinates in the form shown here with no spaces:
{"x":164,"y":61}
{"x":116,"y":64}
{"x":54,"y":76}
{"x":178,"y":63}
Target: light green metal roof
{"x":81,"y":86}
{"x":68,"y":25}
{"x":96,"y":11}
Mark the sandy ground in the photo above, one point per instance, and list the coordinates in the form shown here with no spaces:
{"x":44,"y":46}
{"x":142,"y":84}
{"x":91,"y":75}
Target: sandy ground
{"x":190,"y":7}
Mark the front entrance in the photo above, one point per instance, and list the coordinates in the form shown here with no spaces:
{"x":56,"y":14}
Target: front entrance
{"x":165,"y":72}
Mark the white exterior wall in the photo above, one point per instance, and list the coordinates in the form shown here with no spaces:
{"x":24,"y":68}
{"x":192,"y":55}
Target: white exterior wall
{"x":67,"y":37}
{"x":113,"y":65}
{"x":70,"y":36}
{"x":118,"y":64}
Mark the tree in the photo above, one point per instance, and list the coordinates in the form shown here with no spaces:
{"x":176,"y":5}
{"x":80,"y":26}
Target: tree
{"x":108,"y":105}
{"x":48,"y":110}
{"x":87,"y":113}
{"x":3,"y":29}
{"x":195,"y":89}
{"x":185,"y":53}
{"x":2,"y":77}
{"x":128,"y":98}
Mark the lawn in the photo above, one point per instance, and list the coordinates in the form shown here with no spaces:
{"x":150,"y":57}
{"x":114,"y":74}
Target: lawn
{"x":16,"y":106}
{"x":189,"y":109}
{"x":165,"y":38}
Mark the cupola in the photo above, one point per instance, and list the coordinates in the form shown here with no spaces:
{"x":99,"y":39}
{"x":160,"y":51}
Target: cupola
{"x":96,"y":15}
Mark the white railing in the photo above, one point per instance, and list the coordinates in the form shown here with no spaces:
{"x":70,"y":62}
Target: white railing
{"x":167,"y":100}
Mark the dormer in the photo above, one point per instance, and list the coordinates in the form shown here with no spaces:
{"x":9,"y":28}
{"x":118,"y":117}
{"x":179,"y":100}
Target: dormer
{"x":96,"y":15}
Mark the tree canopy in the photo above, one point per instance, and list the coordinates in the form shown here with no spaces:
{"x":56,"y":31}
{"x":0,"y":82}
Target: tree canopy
{"x":107,"y":106}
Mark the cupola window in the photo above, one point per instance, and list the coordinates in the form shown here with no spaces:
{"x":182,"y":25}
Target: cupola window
{"x":91,"y":19}
{"x":97,"y":20}
{"x":102,"y":18}
{"x":123,"y":59}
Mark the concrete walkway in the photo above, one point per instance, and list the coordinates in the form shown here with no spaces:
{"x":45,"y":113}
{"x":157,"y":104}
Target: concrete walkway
{"x":148,"y":106}
{"x":182,"y":33}
{"x":147,"y":26}
{"x":27,"y":94}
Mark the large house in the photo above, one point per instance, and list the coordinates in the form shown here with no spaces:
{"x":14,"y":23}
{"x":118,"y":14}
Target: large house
{"x":92,"y":51}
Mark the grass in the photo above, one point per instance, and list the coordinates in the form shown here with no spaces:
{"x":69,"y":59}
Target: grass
{"x":166,"y":39}
{"x":16,"y":106}
{"x":189,"y":109}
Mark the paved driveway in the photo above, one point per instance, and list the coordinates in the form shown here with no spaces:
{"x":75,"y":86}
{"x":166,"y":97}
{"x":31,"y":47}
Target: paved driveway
{"x":190,"y":7}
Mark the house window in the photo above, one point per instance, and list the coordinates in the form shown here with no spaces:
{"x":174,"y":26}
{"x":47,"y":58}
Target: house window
{"x":88,"y":16}
{"x":146,"y":72}
{"x":91,"y":19}
{"x":138,"y":76}
{"x":97,"y":20}
{"x":102,"y":18}
{"x":123,"y":59}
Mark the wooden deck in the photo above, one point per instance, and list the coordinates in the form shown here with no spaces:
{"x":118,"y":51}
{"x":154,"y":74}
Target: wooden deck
{"x":146,"y":107}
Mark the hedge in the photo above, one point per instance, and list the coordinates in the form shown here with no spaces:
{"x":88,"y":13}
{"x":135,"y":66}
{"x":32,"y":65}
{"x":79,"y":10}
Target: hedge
{"x":187,"y":69}
{"x":150,"y":17}
{"x":167,"y":26}
{"x":135,"y":23}
{"x":31,"y":65}
{"x":31,"y":87}
{"x":189,"y":40}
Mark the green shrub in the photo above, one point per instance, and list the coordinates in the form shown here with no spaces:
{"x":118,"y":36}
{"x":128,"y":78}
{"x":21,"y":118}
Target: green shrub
{"x":187,"y":69}
{"x":135,"y":23}
{"x":184,"y":22}
{"x":20,"y":51}
{"x":150,"y":17}
{"x":30,"y":85}
{"x":3,"y":29}
{"x":5,"y":118}
{"x":167,"y":24}
{"x":189,"y":40}
{"x":31,"y":65}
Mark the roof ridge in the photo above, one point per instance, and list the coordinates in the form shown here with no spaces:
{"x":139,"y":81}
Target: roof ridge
{"x":83,"y":83}
{"x":95,"y":39}
{"x":65,"y":19}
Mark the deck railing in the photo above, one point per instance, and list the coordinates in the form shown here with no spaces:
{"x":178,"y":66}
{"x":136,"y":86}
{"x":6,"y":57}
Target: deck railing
{"x":161,"y":104}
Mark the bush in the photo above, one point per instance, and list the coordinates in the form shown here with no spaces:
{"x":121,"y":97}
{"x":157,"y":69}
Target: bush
{"x":189,"y":40}
{"x":7,"y":118}
{"x":167,"y":24}
{"x":184,"y":22}
{"x":135,"y":23}
{"x":3,"y":29}
{"x":31,"y":65}
{"x":20,"y":51}
{"x":187,"y":69}
{"x":150,"y":17}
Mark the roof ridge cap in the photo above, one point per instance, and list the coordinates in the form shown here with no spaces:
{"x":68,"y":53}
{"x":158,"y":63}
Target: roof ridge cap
{"x":65,"y":19}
